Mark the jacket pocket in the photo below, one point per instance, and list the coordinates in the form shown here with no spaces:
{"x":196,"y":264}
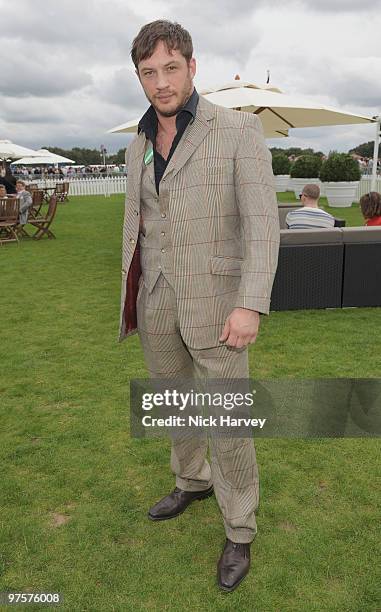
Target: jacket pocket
{"x":229,"y":266}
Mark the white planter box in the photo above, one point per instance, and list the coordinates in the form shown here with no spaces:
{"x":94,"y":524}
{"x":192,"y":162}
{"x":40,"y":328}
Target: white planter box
{"x":281,"y":182}
{"x":298,"y":184}
{"x":341,"y":194}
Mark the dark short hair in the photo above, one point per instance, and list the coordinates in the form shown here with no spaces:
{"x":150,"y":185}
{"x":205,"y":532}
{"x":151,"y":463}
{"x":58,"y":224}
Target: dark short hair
{"x":370,"y":204}
{"x":172,"y":34}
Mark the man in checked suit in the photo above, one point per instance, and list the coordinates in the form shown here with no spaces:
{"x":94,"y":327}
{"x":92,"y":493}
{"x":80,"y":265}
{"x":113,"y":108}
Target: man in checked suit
{"x":200,"y":248}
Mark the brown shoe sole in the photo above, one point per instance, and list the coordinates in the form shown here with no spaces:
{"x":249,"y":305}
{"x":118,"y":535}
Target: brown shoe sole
{"x":166,"y":518}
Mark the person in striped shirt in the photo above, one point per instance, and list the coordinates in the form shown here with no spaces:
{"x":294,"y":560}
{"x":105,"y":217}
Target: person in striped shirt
{"x":310,"y":216}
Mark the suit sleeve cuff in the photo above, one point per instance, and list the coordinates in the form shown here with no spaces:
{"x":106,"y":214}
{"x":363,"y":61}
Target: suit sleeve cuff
{"x":261,"y":305}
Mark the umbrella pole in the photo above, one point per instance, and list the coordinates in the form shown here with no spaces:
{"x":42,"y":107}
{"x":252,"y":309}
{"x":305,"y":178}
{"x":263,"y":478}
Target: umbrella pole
{"x":373,"y":185}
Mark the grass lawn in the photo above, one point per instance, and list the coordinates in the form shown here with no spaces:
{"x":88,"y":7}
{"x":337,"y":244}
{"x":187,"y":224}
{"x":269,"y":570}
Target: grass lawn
{"x":75,"y":489}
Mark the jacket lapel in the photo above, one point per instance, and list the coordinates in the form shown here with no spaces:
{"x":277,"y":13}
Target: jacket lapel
{"x":192,"y":137}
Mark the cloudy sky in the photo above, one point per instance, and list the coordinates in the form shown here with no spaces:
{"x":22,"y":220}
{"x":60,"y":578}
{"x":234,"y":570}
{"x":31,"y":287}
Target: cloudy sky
{"x":67,"y":77}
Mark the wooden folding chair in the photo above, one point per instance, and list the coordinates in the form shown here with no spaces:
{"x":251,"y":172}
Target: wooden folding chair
{"x":62,"y":191}
{"x":38,"y":200}
{"x":31,"y":187}
{"x":43,"y":223}
{"x":9,"y":218}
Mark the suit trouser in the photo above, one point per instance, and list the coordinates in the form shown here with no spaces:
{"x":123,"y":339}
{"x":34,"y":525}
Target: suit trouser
{"x":233,"y":468}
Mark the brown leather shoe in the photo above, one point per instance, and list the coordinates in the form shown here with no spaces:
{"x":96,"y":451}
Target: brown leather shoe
{"x":175,"y":503}
{"x":233,"y":565}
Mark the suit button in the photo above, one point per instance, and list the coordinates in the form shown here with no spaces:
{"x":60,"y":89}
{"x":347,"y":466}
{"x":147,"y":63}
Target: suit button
{"x":132,"y":240}
{"x":163,"y":250}
{"x":163,"y":215}
{"x":162,"y":233}
{"x":136,"y":212}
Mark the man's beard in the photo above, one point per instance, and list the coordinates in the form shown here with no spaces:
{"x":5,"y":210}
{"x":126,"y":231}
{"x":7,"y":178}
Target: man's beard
{"x":169,"y":113}
{"x":186,"y":93}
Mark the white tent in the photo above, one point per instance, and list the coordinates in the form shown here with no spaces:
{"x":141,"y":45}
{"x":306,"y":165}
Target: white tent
{"x":278,"y":111}
{"x":9,"y":150}
{"x":45,"y":157}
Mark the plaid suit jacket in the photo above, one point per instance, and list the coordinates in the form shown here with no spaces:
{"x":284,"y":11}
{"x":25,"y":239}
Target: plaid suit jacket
{"x":221,"y":199}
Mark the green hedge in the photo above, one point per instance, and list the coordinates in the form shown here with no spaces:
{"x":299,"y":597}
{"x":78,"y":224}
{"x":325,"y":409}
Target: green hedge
{"x":306,"y":166}
{"x":281,"y":164}
{"x":340,"y":167}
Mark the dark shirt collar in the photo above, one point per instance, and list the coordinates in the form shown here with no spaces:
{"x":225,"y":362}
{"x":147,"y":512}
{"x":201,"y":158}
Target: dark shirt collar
{"x":148,"y":123}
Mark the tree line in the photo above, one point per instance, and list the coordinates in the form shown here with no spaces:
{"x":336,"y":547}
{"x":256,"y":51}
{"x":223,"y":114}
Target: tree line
{"x":366,"y":149}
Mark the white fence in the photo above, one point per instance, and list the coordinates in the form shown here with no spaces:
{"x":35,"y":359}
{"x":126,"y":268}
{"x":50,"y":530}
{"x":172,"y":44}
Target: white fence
{"x":89,"y":186}
{"x":365,"y":186}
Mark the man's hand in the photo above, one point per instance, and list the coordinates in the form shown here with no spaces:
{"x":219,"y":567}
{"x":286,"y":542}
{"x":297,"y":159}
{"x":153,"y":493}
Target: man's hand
{"x":241,"y":328}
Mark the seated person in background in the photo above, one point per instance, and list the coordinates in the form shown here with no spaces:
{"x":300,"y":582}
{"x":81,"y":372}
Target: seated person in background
{"x":3,"y":191}
{"x":310,"y":216}
{"x":25,"y":199}
{"x":370,"y":205}
{"x":7,"y":181}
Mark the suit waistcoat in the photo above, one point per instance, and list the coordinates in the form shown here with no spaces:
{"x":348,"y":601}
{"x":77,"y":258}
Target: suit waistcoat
{"x":156,"y":252}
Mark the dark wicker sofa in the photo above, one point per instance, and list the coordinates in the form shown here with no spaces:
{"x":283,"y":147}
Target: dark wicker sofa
{"x":362,"y":266}
{"x":334,"y":268}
